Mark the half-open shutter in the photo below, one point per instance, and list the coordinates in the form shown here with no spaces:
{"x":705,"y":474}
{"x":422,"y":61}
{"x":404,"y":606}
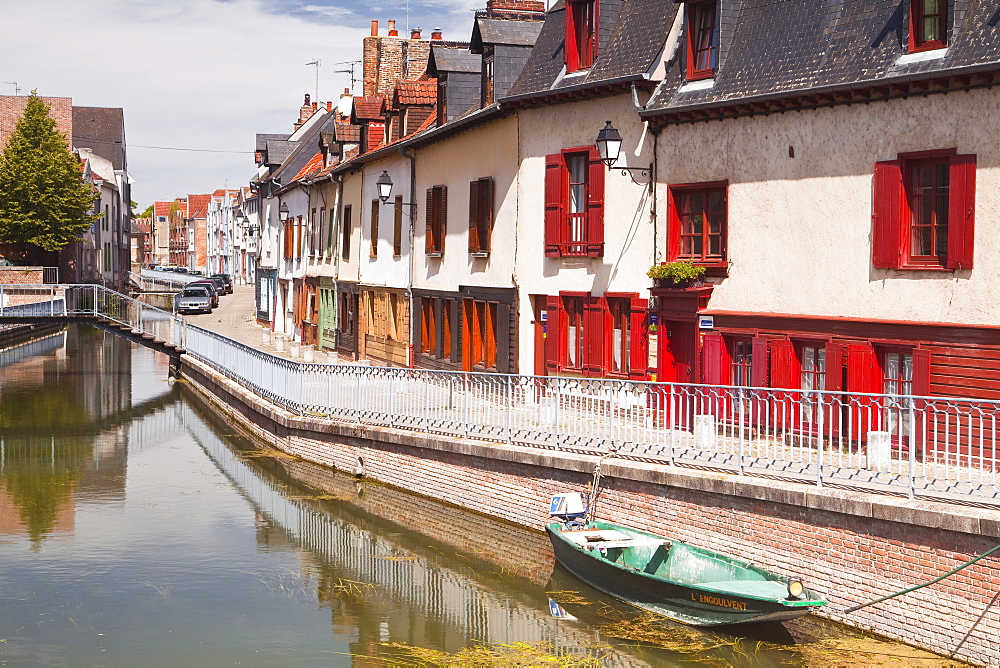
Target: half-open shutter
{"x":595,"y":204}
{"x":834,"y":367}
{"x":429,"y":217}
{"x":887,"y":214}
{"x":639,"y":344}
{"x":554,"y":168}
{"x":503,"y":338}
{"x":863,"y":372}
{"x":961,"y":211}
{"x":758,"y":362}
{"x":921,"y":372}
{"x":443,"y":218}
{"x":712,"y":347}
{"x":594,"y":329}
{"x":784,"y":365}
{"x":486,"y":210}
{"x":474,"y":216}
{"x":553,"y":334}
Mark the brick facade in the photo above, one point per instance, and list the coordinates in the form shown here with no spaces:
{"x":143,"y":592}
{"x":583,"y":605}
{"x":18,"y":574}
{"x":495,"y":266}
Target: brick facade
{"x":852,"y":547}
{"x":12,"y":108}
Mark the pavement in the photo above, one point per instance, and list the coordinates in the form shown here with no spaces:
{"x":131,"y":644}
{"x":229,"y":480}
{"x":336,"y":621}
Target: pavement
{"x":235,"y":318}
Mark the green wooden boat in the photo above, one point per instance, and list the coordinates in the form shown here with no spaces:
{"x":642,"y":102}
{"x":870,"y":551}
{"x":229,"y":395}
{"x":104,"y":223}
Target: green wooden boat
{"x":679,"y":581}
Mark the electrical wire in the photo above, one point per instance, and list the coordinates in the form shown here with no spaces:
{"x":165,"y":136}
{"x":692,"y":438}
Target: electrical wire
{"x":176,"y":148}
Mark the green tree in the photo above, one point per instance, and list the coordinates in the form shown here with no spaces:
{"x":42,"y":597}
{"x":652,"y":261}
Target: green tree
{"x":146,"y":213}
{"x":43,"y":199}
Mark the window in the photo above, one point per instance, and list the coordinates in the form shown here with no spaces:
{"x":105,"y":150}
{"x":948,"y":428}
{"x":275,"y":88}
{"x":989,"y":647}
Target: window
{"x":928,"y":25}
{"x":428,"y":326}
{"x":629,"y":356}
{"x":313,"y":233}
{"x":702,"y":51}
{"x":487,"y":92}
{"x":292,"y":239}
{"x":696,"y":217}
{"x":437,"y":210}
{"x":573,"y":317}
{"x":574,"y":203}
{"x":397,"y":227}
{"x":442,"y":101}
{"x":480,"y":336}
{"x":373,"y":250}
{"x":923,"y":207}
{"x":345,"y":233}
{"x":330,"y":234}
{"x":596,"y":336}
{"x":581,"y":34}
{"x":480,"y":215}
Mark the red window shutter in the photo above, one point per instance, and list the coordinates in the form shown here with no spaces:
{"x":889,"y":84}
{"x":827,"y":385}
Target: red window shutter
{"x":429,"y":217}
{"x":758,"y":362}
{"x":887,"y":214}
{"x":921,"y":372}
{"x":863,"y":371}
{"x":784,"y":365}
{"x":570,"y":48}
{"x":553,"y":334}
{"x":595,"y":204}
{"x":473,"y":216}
{"x":639,"y":344}
{"x":596,"y":324}
{"x":712,"y":347}
{"x":673,"y":226}
{"x":961,"y":211}
{"x":554,"y":196}
{"x":834,"y":367}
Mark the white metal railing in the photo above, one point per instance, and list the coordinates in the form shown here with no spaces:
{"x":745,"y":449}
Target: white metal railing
{"x":921,"y":446}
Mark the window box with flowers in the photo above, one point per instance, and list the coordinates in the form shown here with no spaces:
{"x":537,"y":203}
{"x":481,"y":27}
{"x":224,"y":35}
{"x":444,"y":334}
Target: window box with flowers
{"x":679,"y":274}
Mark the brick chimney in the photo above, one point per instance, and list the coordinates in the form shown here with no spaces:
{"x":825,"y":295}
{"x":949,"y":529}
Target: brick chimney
{"x":506,"y":7}
{"x":386,"y":61}
{"x":305,"y":111}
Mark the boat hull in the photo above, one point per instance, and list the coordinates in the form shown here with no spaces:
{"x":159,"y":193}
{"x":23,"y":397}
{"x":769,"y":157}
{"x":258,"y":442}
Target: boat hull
{"x":689,"y":604}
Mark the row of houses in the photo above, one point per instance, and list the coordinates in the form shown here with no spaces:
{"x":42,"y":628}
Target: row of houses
{"x":97,"y":136}
{"x":831,"y":167}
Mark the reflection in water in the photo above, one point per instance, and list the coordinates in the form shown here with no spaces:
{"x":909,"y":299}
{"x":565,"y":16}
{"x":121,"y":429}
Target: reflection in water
{"x":135,"y":529}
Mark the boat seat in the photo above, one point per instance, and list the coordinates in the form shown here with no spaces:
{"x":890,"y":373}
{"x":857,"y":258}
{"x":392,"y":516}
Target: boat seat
{"x":756,"y":588}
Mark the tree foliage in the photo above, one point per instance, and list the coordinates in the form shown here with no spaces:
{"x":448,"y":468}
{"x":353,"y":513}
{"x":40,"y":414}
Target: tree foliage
{"x":43,"y":199}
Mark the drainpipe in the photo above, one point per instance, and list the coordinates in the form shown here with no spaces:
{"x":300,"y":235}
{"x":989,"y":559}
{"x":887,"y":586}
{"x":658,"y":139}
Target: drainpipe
{"x":409,"y":279}
{"x":337,"y":254}
{"x":655,"y":130}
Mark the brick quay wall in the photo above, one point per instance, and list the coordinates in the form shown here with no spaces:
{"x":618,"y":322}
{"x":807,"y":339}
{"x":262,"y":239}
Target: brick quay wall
{"x":851,"y":546}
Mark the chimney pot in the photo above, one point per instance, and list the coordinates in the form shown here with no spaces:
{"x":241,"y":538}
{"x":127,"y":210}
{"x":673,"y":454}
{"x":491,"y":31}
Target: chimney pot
{"x":329,"y":105}
{"x":436,"y":33}
{"x":374,"y":27}
{"x":315,"y":104}
{"x":306,"y":102}
{"x":392,"y":28}
{"x":415,"y":33}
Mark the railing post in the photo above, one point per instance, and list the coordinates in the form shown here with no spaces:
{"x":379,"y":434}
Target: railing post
{"x":510,"y":408}
{"x":392,"y":400}
{"x":427,"y":403}
{"x":357,"y":396}
{"x":465,"y":404}
{"x":913,"y":448}
{"x":555,"y":427}
{"x":821,"y":426}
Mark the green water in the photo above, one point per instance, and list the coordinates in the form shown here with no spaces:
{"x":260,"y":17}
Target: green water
{"x":136,"y":529}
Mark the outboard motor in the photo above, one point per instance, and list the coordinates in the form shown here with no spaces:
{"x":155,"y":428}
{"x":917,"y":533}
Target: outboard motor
{"x":570,"y":508}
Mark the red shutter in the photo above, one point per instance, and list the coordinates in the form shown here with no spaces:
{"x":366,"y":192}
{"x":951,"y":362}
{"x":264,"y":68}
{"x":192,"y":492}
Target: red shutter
{"x":887,"y":214}
{"x":570,"y":48}
{"x":554,"y":195}
{"x":595,"y":326}
{"x":834,"y":367}
{"x":784,"y":365}
{"x":673,"y":226}
{"x":553,"y":334}
{"x":921,"y":372}
{"x":758,"y":362}
{"x":429,"y":217}
{"x":638,"y":362}
{"x":712,"y":347}
{"x":863,"y":372}
{"x":595,"y":204}
{"x":474,"y":216}
{"x":961,"y":211}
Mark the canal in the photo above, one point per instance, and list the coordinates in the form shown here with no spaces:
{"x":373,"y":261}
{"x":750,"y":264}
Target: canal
{"x":136,"y":528}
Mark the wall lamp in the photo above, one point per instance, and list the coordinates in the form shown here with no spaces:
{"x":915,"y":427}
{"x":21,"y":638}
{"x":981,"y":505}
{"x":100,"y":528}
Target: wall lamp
{"x":384,"y":184}
{"x":609,"y":146}
{"x":283,"y":212}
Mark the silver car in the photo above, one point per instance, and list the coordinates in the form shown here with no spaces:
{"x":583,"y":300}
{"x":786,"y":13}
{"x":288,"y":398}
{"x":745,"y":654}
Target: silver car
{"x":194,"y":299}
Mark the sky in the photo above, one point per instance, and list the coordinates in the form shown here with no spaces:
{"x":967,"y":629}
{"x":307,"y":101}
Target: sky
{"x":200,"y":74}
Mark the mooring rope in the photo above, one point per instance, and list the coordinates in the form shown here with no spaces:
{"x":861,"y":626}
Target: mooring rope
{"x":926,"y":584}
{"x":596,"y":482}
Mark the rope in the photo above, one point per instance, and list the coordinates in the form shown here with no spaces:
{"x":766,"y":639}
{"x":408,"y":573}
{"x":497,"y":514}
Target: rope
{"x":926,"y":584}
{"x":596,"y":482}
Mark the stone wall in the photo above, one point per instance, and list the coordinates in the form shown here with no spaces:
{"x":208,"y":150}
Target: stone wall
{"x":852,"y":547}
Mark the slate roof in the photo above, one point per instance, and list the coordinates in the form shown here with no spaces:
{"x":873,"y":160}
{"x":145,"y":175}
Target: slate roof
{"x":347,"y":133}
{"x":416,"y":92}
{"x":800,"y":46}
{"x":305,"y":148}
{"x":503,"y":31}
{"x":278,"y":151}
{"x":262,"y":140}
{"x":632,"y":34}
{"x":101,"y":129}
{"x":450,"y":59}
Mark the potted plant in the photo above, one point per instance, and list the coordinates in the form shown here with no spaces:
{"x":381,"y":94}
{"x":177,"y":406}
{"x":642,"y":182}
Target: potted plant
{"x":679,"y":274}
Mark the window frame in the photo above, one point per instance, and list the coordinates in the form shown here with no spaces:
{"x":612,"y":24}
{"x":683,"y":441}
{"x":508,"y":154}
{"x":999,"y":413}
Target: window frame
{"x":917,"y":41}
{"x":716,"y":265}
{"x":694,"y":11}
{"x":558,"y":225}
{"x":893,"y":212}
{"x":373,"y":229}
{"x":582,"y":42}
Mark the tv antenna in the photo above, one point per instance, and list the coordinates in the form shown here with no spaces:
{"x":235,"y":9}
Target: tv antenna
{"x":350,"y":71}
{"x":17,"y":89}
{"x":317,"y":63}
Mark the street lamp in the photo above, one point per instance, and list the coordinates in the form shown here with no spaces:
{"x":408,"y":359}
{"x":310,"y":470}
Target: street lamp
{"x":609,"y":146}
{"x":283,"y":212}
{"x":384,"y":184}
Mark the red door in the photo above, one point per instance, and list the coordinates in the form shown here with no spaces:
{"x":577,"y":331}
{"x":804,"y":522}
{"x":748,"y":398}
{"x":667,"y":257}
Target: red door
{"x":678,"y":351}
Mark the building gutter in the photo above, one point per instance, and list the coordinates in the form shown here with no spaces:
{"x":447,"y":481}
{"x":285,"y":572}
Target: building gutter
{"x":410,"y":356}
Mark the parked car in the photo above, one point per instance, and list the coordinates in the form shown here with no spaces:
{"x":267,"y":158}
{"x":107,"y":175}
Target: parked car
{"x":220,"y":285}
{"x":195,"y":272}
{"x":212,"y":288}
{"x":193,"y":299}
{"x":227,"y":280}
